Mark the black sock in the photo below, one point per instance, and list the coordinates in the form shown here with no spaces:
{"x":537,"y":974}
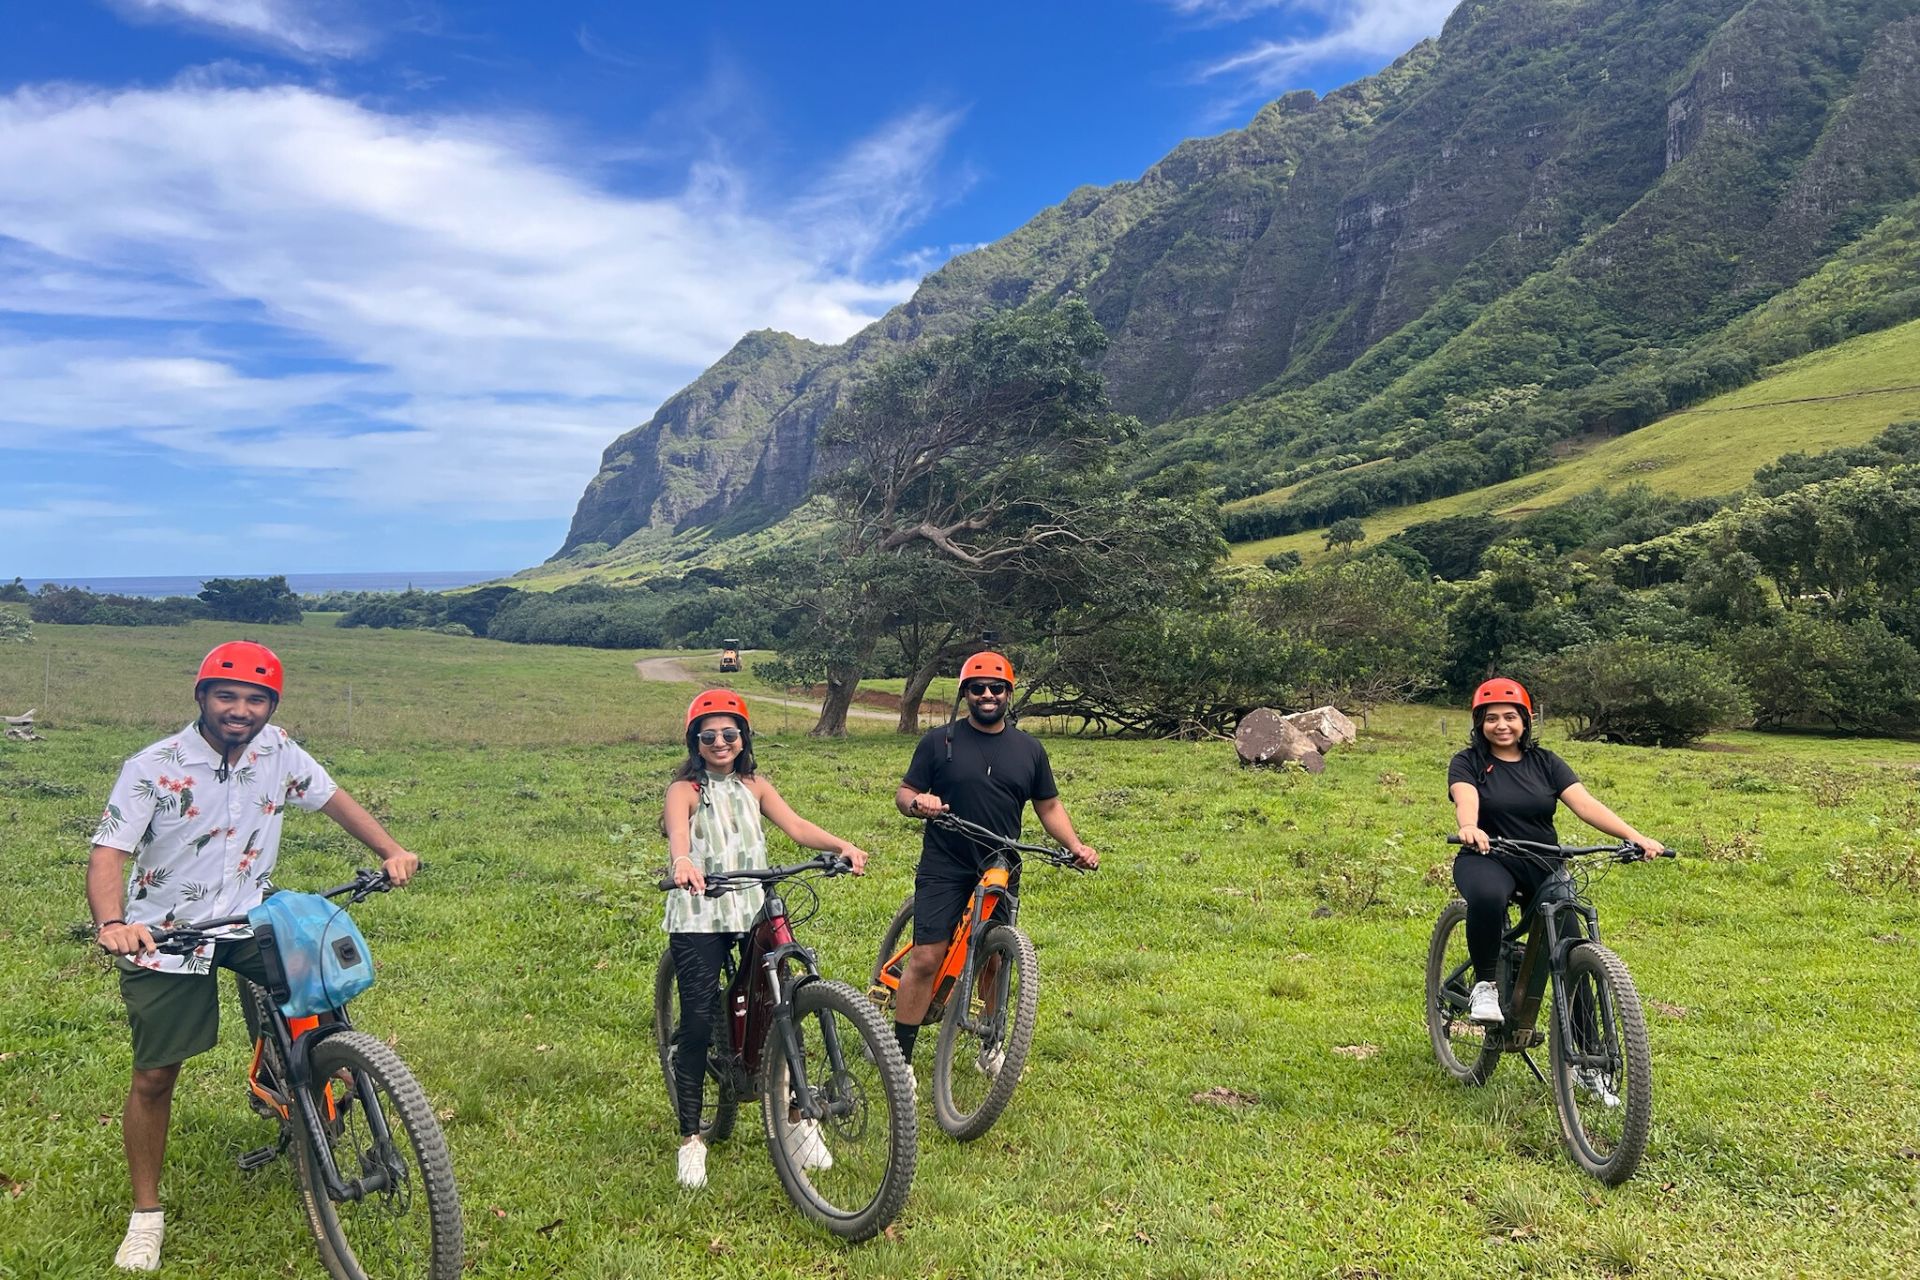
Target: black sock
{"x":906,"y":1033}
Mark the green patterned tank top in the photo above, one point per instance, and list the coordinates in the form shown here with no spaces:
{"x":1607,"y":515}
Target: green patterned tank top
{"x":726,"y":837}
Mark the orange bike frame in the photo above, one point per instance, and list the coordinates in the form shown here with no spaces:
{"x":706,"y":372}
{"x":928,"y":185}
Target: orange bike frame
{"x":995,"y":885}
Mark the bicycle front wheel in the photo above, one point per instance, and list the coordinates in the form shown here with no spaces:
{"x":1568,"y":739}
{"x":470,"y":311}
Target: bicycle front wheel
{"x":1602,"y":1066}
{"x":850,"y":1169}
{"x":721,"y":1102}
{"x":985,"y":1035}
{"x":1461,"y":1046}
{"x":385,"y":1139}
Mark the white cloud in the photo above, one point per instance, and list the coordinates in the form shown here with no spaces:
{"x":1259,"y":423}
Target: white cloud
{"x":308,"y":29}
{"x":398,"y":311}
{"x":1334,"y":31}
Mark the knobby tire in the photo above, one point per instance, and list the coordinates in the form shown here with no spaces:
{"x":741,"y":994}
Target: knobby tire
{"x":874,"y":1138}
{"x":960,"y":1114}
{"x":386,"y":1226}
{"x":1466,"y":1055}
{"x":1596,"y":975}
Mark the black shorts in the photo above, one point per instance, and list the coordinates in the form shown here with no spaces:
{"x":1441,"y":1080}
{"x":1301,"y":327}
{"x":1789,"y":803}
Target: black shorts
{"x":941,"y":895}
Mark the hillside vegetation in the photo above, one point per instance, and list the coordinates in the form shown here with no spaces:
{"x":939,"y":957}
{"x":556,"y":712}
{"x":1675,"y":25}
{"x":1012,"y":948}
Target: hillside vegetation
{"x":1840,"y":396}
{"x":1556,"y":219}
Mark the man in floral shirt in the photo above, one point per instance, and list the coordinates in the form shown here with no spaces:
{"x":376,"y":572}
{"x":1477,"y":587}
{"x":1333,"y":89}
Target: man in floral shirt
{"x":199,"y":814}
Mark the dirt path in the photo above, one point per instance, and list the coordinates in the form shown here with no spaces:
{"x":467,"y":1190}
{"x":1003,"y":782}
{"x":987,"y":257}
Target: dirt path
{"x":676,"y":671}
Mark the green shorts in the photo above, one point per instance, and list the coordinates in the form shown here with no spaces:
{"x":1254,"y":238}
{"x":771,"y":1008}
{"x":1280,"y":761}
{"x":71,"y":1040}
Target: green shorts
{"x":177,"y":1015}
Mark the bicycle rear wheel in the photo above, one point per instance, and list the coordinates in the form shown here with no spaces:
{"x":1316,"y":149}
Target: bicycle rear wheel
{"x":722,"y":1100}
{"x":899,"y":933}
{"x":1602,"y":1065}
{"x":407,"y":1223}
{"x":850,"y":1170}
{"x":986,"y":1033}
{"x":1461,"y":1046}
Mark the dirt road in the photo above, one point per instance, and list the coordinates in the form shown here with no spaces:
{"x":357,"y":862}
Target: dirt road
{"x":676,"y":671}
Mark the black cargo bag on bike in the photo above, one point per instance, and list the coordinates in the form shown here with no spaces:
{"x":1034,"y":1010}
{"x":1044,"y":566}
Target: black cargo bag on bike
{"x":313,"y":953}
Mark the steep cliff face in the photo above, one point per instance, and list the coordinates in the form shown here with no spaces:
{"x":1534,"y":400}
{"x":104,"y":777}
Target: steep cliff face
{"x":1567,"y":177}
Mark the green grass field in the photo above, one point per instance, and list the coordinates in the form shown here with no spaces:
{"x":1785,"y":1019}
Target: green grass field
{"x":1845,"y":394}
{"x":1251,"y":931}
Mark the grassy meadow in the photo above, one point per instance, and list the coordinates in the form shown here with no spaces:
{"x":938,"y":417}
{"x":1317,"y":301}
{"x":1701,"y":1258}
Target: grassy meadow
{"x":1845,"y":394}
{"x":1249,"y":931}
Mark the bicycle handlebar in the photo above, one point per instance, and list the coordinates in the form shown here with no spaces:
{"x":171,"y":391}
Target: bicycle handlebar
{"x":981,"y":835}
{"x":1625,"y":851}
{"x":719,"y":882}
{"x":183,"y":938}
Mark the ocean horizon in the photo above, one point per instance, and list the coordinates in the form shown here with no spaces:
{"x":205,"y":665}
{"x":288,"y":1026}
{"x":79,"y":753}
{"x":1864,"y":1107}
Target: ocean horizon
{"x":159,"y":586}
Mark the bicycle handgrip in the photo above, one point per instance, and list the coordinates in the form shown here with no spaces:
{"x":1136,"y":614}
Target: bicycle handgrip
{"x":1455,"y":840}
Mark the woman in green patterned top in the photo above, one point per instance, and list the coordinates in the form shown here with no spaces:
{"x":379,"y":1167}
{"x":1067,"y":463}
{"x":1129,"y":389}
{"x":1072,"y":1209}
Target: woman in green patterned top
{"x":712,"y":820}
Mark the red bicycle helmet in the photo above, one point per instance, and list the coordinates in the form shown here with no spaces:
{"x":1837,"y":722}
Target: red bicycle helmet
{"x":718,"y":702}
{"x":1500,"y":689}
{"x":245,"y":661}
{"x":986,"y":666}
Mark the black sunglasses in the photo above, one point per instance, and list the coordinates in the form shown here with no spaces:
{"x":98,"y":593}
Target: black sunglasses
{"x":981,"y":688}
{"x":710,"y":736}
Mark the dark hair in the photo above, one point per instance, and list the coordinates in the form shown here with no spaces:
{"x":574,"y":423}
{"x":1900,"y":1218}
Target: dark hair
{"x":1477,"y":738}
{"x":693,"y":768}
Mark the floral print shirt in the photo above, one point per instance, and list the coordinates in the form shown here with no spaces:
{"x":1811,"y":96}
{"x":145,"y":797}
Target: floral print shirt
{"x":202,"y":847}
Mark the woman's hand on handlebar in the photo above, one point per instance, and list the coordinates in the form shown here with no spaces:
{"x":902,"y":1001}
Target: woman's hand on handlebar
{"x":1649,"y":848}
{"x":1473,"y":838}
{"x":855,"y":858}
{"x":125,"y":939}
{"x":687,"y":875}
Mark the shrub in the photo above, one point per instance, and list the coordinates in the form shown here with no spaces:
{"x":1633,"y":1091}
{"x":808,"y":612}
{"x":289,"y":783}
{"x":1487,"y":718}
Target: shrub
{"x":1851,"y":675}
{"x":1640,"y":692}
{"x":15,"y":628}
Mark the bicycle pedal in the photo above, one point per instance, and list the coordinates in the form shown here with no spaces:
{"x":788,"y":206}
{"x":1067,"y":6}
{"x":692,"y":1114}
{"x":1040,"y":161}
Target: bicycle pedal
{"x":258,"y":1159}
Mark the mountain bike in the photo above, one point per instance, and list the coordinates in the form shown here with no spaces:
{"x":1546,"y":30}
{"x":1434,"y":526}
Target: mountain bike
{"x":376,"y":1183}
{"x":812,"y":1049}
{"x":1597,"y":1035}
{"x":987,"y":995}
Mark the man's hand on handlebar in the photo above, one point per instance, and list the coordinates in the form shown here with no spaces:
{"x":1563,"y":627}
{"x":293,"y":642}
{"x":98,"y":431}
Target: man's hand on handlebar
{"x":400,"y":867}
{"x":926,"y":805}
{"x":1473,"y":838}
{"x":125,"y":939}
{"x":1085,"y":856}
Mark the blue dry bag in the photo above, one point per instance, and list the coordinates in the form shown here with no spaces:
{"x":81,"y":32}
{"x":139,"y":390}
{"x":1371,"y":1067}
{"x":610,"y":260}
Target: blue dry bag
{"x":314,"y":955}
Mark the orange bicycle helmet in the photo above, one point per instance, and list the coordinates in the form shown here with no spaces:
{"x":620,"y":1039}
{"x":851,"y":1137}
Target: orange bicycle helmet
{"x":245,"y":661}
{"x":718,"y":702}
{"x":987,"y":665}
{"x":1500,"y":689}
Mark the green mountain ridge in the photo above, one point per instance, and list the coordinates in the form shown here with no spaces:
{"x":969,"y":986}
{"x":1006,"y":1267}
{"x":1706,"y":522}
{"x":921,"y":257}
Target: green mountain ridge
{"x":1557,"y":218}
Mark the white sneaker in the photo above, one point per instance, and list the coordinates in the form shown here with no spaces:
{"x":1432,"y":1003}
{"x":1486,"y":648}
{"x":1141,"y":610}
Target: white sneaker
{"x":1594,"y":1081}
{"x":991,"y":1060}
{"x":1486,"y":1005}
{"x":806,"y":1147}
{"x":140,"y":1251}
{"x":693,"y":1164}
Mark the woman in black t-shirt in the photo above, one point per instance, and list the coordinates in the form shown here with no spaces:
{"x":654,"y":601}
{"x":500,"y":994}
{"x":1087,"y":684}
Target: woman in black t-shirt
{"x":1505,"y":785}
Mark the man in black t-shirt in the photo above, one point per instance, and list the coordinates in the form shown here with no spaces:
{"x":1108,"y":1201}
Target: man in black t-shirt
{"x":985,"y":771}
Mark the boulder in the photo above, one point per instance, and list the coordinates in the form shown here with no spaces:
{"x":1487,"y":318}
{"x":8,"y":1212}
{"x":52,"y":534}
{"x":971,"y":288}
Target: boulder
{"x":1327,"y":726}
{"x":1267,"y":737}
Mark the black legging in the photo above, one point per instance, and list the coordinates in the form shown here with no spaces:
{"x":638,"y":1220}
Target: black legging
{"x":1487,"y":882}
{"x":698,"y":960}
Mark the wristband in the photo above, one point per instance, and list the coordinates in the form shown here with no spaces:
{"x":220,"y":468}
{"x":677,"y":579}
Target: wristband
{"x":105,"y":924}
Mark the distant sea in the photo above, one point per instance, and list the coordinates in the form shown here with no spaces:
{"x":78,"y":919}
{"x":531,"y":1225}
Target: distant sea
{"x":306,"y":584}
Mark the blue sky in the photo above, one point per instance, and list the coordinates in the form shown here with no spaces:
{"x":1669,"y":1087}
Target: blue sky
{"x":338,"y":285}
